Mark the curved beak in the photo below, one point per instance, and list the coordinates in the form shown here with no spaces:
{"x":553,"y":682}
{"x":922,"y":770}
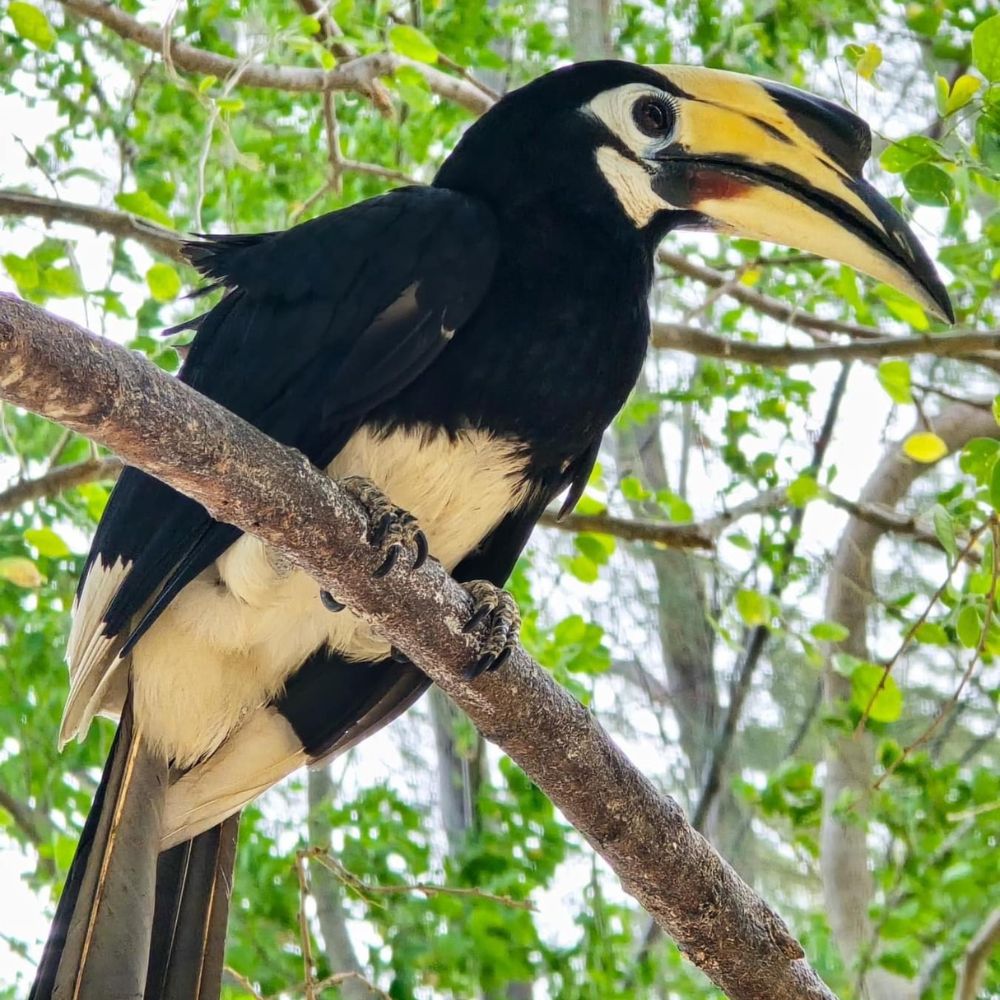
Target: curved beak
{"x":769,"y":162}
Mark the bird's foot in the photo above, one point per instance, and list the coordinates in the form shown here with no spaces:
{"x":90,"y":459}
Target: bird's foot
{"x":498,"y":610}
{"x":390,"y":528}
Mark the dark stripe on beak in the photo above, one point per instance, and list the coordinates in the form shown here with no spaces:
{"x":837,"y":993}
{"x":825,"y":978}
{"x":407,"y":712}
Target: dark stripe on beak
{"x":842,"y":135}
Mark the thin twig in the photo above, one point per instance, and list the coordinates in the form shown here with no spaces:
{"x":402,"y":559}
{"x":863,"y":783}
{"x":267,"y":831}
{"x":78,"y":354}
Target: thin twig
{"x":952,"y":701}
{"x":912,"y":630}
{"x":305,"y":936}
{"x":360,"y":75}
{"x":365,"y":889}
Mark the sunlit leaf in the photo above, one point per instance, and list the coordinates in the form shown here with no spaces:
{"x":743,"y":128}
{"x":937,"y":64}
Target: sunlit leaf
{"x":986,"y":48}
{"x":21,"y":572}
{"x":894,"y":377}
{"x":925,"y":446}
{"x":47,"y":542}
{"x":829,"y":632}
{"x":412,"y":42}
{"x":866,"y":679}
{"x":164,"y":282}
{"x":31,"y":24}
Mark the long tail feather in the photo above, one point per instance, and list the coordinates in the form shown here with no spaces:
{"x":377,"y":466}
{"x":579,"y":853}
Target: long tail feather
{"x":99,"y":943}
{"x":193,"y":887}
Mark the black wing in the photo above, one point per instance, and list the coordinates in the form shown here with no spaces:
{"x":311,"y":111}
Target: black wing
{"x":319,"y":325}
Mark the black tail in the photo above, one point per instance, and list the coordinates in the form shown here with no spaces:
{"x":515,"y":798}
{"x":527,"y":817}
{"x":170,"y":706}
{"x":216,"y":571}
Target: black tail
{"x":126,"y":911}
{"x":194,"y":881}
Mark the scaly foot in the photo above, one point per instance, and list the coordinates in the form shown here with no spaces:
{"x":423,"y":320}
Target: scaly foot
{"x":390,"y":528}
{"x":499,"y":611}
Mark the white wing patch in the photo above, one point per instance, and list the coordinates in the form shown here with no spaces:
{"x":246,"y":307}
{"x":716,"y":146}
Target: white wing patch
{"x":225,"y":645}
{"x":264,"y":750}
{"x":92,"y":655}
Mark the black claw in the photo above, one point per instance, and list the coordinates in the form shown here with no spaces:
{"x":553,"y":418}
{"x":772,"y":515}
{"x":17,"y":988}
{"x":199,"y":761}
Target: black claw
{"x":478,"y":617}
{"x":501,"y":659}
{"x":330,"y":602}
{"x":420,"y":540}
{"x":390,"y":560}
{"x":480,"y":666}
{"x":382,"y":529}
{"x":397,"y":655}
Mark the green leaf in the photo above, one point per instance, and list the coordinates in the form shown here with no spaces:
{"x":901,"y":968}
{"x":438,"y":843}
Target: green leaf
{"x":995,"y":486}
{"x":413,"y":43}
{"x":996,"y":409}
{"x":966,"y":87}
{"x":925,"y":447}
{"x":63,"y":282}
{"x":888,"y":703}
{"x":21,"y":572}
{"x":903,"y":307}
{"x":969,"y":626}
{"x":164,"y":282}
{"x":894,"y":377}
{"x":869,"y":61}
{"x":929,"y":185}
{"x":48,"y":543}
{"x":140,"y":203}
{"x":941,"y":94}
{"x":32,"y":24}
{"x":932,"y":634}
{"x":829,"y":632}
{"x":230,"y":105}
{"x":753,"y":607}
{"x":907,"y":153}
{"x":803,"y":489}
{"x":944,"y":528}
{"x":23,"y":271}
{"x":633,"y":490}
{"x":584,"y":569}
{"x":986,"y":48}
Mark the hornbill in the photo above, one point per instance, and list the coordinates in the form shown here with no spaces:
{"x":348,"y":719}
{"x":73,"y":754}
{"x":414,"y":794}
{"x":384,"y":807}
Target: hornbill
{"x":453,"y":353}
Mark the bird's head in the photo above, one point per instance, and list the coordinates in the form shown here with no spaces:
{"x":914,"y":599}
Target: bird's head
{"x":669,"y":147}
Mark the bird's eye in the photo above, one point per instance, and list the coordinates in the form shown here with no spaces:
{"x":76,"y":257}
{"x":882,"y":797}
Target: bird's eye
{"x":653,"y":115}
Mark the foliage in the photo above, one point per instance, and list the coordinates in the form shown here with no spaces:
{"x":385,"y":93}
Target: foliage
{"x":654,"y":640}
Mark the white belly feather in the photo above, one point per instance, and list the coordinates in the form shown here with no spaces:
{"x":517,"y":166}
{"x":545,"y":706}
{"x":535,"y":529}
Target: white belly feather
{"x":230,"y":639}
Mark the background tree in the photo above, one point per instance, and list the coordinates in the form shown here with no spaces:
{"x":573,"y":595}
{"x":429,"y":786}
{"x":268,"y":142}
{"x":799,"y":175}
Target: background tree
{"x":792,"y":632}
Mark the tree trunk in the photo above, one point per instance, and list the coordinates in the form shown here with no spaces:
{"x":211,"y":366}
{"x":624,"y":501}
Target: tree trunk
{"x":848,"y":886}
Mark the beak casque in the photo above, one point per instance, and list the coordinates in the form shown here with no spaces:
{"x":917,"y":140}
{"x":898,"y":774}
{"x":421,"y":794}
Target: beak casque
{"x":773,"y":163}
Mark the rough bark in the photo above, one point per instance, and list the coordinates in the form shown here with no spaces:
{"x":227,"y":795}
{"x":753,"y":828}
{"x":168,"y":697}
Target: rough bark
{"x":242,"y":477}
{"x":359,"y":75}
{"x":847,"y":881}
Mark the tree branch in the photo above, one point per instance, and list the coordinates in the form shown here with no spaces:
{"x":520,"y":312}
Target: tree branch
{"x":242,"y":477}
{"x":784,"y":312}
{"x":972,"y":971}
{"x":102,"y":220}
{"x":675,"y":536}
{"x":678,"y":337}
{"x":360,"y":75}
{"x":62,"y":477}
{"x":669,"y":336}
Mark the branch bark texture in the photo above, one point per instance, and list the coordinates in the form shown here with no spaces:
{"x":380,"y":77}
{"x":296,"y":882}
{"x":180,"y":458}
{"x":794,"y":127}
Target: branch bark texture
{"x":242,"y":477}
{"x":358,"y":75}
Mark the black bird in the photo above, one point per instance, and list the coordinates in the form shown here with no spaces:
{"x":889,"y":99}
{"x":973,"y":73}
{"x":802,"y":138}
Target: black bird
{"x":454,"y":352}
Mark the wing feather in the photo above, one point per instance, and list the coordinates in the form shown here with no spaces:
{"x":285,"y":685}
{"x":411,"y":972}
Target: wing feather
{"x":319,"y":325}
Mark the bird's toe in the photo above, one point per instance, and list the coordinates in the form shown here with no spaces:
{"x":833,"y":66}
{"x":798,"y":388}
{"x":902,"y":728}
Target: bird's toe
{"x":496,"y":612}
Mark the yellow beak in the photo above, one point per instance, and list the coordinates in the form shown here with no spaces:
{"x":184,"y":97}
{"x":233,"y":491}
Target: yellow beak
{"x":773,"y":163}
